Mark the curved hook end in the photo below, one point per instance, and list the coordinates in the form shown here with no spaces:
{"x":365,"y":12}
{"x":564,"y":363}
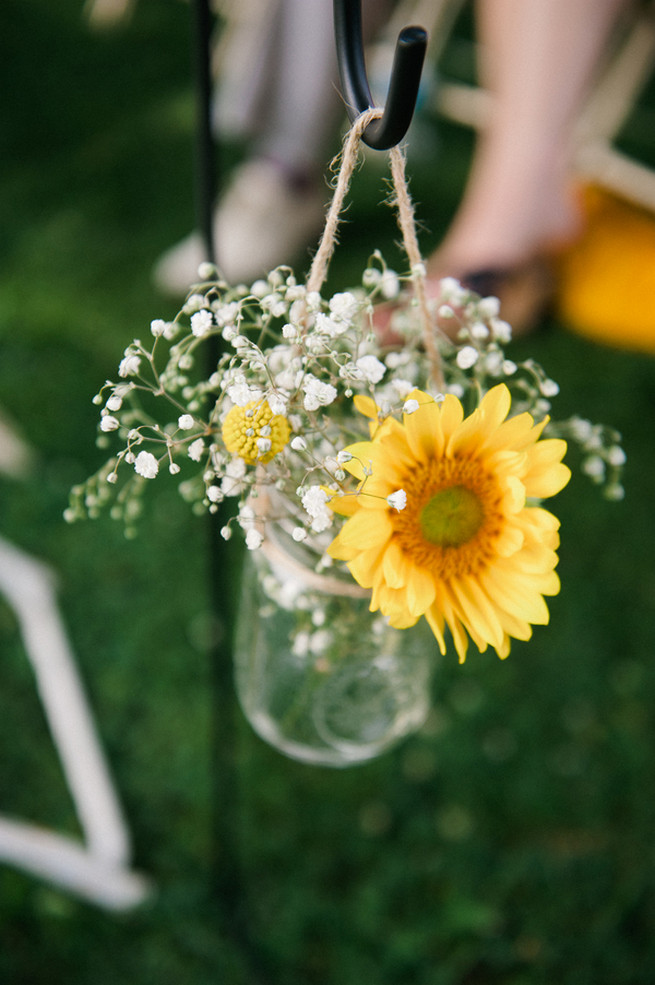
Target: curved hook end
{"x":403,"y":91}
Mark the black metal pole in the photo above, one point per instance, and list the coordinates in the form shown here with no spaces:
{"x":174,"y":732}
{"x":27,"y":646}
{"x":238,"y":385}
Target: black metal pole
{"x":227,"y":881}
{"x":206,"y":151}
{"x":224,"y":864}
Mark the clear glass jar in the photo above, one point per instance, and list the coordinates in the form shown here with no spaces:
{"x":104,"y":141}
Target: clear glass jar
{"x":319,"y":676}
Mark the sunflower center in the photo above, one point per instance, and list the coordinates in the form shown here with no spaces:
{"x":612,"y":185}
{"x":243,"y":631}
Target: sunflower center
{"x":451,"y":517}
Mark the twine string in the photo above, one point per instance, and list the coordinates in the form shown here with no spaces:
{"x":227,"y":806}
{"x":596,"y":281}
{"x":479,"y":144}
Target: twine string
{"x":348,"y":161}
{"x":406,"y":222}
{"x":407,"y":225}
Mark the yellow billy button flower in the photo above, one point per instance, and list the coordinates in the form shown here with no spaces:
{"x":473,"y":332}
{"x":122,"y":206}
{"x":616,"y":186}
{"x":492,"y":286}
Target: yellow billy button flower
{"x":470,"y":550}
{"x":254,"y":432}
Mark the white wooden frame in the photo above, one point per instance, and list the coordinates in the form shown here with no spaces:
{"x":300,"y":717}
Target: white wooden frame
{"x":96,"y":868}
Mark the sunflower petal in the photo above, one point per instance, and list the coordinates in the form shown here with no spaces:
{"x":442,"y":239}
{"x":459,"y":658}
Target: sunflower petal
{"x":366,"y":527}
{"x":478,"y":611}
{"x":423,"y":428}
{"x":515,"y":596}
{"x":420,"y":590}
{"x":366,"y":406}
{"x":395,"y":565}
{"x":546,"y":475}
{"x":437,"y":625}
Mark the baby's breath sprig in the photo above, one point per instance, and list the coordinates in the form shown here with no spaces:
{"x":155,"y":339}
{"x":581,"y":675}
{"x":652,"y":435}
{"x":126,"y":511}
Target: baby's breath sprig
{"x":276,"y":409}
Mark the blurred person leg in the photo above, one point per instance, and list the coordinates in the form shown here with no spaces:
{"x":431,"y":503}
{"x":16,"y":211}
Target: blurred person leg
{"x":537,"y":59}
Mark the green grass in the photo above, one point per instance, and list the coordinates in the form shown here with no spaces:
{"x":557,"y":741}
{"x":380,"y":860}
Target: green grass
{"x":510,"y":843}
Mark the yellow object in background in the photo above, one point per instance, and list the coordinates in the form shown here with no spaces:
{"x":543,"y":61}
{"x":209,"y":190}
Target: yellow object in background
{"x":606,"y":288}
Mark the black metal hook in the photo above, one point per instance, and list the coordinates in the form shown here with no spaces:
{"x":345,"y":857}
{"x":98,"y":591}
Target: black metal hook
{"x":405,"y":75}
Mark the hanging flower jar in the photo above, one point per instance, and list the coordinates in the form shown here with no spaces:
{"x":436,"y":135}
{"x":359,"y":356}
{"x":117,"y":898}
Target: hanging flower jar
{"x":389,"y":489}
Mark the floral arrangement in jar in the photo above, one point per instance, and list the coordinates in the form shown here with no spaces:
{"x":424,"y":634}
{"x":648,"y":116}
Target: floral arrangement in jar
{"x":398,"y":480}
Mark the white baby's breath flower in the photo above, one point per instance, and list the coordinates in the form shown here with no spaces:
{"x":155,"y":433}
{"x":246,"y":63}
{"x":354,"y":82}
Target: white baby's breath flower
{"x":196,"y":449}
{"x":410,"y":406}
{"x":235,"y":468}
{"x":397,"y":499}
{"x":185,"y":422}
{"x":317,"y":393}
{"x":402,"y":387}
{"x":616,"y":456}
{"x":493,"y":362}
{"x":231,"y":486}
{"x":467,"y":357}
{"x":313,"y":300}
{"x":115,"y":402}
{"x":299,"y":534}
{"x":157,"y":327}
{"x":344,"y":306}
{"x":171,"y":330}
{"x":298,"y":443}
{"x":333,"y":327}
{"x":193,"y":303}
{"x":502,"y":330}
{"x":371,"y":277}
{"x":173,"y":468}
{"x":259,"y":289}
{"x":130,"y":364}
{"x":549,"y":388}
{"x":226,"y":314}
{"x":615,"y":492}
{"x":206,"y":270}
{"x":314,"y":501}
{"x":246,"y":517}
{"x":351,"y":372}
{"x":371,"y":367}
{"x":390,"y":284}
{"x":488,"y":307}
{"x":242,"y":394}
{"x":201,"y":323}
{"x":594,"y":466}
{"x":146,"y":465}
{"x":109,"y":423}
{"x":254,"y":539}
{"x":274,"y":304}
{"x":344,"y":456}
{"x":397,"y":359}
{"x":277,"y":403}
{"x":452,"y":291}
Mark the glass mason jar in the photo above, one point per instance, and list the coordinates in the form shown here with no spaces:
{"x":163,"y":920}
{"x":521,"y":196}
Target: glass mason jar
{"x":319,"y":676}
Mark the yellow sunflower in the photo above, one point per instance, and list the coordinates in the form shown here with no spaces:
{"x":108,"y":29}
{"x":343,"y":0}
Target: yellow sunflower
{"x":445,"y":522}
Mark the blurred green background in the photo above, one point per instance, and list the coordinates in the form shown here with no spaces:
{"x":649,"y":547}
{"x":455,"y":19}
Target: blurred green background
{"x":511,"y":841}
